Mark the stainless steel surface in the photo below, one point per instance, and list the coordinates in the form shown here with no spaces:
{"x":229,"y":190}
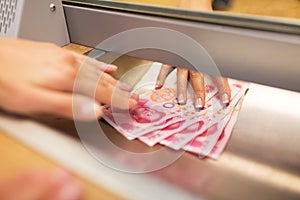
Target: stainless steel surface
{"x":260,"y":56}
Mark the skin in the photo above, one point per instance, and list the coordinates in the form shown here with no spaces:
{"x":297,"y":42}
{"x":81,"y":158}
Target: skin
{"x":196,"y":78}
{"x":40,"y":77}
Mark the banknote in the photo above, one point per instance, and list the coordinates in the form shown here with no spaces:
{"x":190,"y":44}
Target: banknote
{"x":156,"y":110}
{"x":187,"y":113}
{"x":190,"y":115}
{"x":206,"y":142}
{"x":226,"y":133}
{"x":200,"y":142}
{"x":158,"y":118}
{"x":190,"y":128}
{"x":147,"y":116}
{"x":201,"y":123}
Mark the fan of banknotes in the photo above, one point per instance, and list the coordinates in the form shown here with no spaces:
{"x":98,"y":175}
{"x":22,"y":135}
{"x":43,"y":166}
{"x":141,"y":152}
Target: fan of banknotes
{"x":159,"y":119}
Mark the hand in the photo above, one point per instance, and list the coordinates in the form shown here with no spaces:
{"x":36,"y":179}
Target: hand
{"x":197,"y":81}
{"x":40,"y":184}
{"x":39,"y":78}
{"x":196,"y":78}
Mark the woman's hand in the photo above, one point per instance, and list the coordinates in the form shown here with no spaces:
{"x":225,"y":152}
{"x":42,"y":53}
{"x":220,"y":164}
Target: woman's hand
{"x":197,"y":81}
{"x":196,"y":78}
{"x":39,"y":78}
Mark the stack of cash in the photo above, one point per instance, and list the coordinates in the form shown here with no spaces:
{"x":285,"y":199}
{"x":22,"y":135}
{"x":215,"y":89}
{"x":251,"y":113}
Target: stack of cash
{"x":159,"y":119}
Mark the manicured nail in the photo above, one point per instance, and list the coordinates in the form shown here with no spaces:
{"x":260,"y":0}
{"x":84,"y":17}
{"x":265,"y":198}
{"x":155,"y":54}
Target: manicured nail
{"x":132,"y":103}
{"x":158,"y":85}
{"x":135,"y":96}
{"x":111,"y":67}
{"x":70,"y":191}
{"x":133,"y":100}
{"x":125,"y":86}
{"x":180,"y":99}
{"x":198,"y":103}
{"x":225,"y":99}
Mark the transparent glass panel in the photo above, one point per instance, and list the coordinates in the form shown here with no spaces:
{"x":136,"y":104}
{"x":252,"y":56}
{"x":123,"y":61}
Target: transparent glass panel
{"x":274,"y":15}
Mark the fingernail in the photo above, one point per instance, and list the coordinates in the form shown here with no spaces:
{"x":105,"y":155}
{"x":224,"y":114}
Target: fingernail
{"x":70,"y":191}
{"x":113,"y":67}
{"x":125,"y":86}
{"x":132,"y":103}
{"x":225,"y":99}
{"x":158,"y":85}
{"x":180,"y":99}
{"x":90,"y":110}
{"x":198,"y":103}
{"x":133,"y":100}
{"x":135,"y":96}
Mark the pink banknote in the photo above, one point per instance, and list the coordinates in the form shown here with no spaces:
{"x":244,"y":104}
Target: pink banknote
{"x":158,"y":118}
{"x":200,"y":142}
{"x":225,"y":135}
{"x":156,"y":110}
{"x":187,"y":113}
{"x":197,"y":122}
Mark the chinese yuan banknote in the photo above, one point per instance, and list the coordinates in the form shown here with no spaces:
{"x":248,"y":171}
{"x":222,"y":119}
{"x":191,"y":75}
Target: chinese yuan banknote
{"x":219,"y":117}
{"x":158,"y":118}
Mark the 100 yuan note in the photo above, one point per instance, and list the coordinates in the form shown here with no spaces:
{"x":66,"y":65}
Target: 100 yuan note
{"x":215,"y":113}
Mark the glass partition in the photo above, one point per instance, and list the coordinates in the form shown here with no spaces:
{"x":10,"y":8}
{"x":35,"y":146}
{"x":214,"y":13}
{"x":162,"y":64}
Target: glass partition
{"x":272,"y":15}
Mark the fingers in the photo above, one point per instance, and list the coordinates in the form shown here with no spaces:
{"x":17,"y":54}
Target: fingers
{"x":104,"y":88}
{"x":82,"y":101}
{"x":92,"y":79}
{"x":116,"y":94}
{"x":182,"y":76}
{"x":197,"y":80}
{"x":224,"y":89}
{"x":72,"y":67}
{"x":78,"y":106}
{"x":68,"y":105}
{"x":98,"y":65}
{"x":92,"y":70}
{"x":164,"y":70}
